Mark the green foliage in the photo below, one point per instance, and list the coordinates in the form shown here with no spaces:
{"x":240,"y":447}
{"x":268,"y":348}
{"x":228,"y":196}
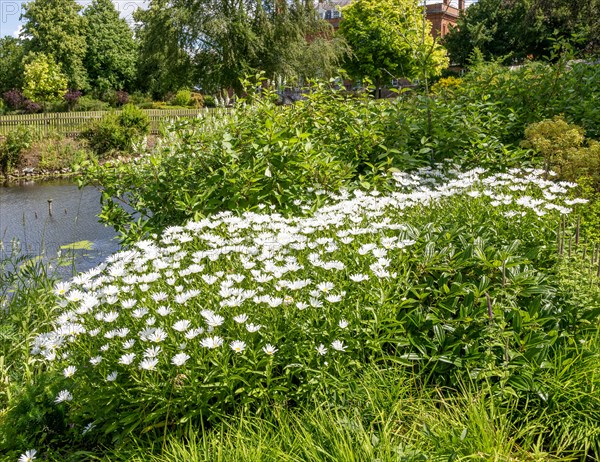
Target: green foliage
{"x":513,"y":31}
{"x":43,"y":79}
{"x":27,"y":411}
{"x":55,"y":28}
{"x":390,"y":39}
{"x":260,"y":153}
{"x":479,"y":123}
{"x":534,"y":92}
{"x":11,"y":63}
{"x":118,"y":131}
{"x":558,"y":142}
{"x":110,"y":58}
{"x":209,"y":101}
{"x":216,"y":44}
{"x":182,"y":98}
{"x":16,"y":142}
{"x":87,"y":103}
{"x":163,"y":64}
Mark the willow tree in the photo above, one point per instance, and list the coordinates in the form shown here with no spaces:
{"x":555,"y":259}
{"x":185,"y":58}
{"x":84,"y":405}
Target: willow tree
{"x":225,"y":40}
{"x":390,"y":39}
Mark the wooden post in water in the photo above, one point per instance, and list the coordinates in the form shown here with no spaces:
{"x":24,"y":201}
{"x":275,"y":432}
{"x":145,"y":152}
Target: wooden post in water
{"x":50,"y":207}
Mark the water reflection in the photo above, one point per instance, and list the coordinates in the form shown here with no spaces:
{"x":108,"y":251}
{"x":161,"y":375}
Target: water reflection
{"x":43,"y":227}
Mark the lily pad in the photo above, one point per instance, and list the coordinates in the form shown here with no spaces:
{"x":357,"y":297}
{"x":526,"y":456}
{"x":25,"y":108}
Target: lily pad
{"x":79,"y":245}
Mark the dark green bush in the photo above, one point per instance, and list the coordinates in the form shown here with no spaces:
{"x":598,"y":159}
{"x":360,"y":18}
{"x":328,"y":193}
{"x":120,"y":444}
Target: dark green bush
{"x":118,"y":131}
{"x":209,"y":101}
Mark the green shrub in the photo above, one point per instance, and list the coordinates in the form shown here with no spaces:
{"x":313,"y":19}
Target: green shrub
{"x":209,"y":101}
{"x":138,"y":98}
{"x":87,"y":103}
{"x":556,"y":140}
{"x":16,"y":142}
{"x":118,"y":131}
{"x":537,"y":91}
{"x":182,"y":98}
{"x":565,"y":149}
{"x":146,"y":105}
{"x":56,"y":106}
{"x":258,"y":154}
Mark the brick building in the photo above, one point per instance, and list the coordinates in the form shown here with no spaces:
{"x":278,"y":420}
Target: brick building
{"x":442,"y":15}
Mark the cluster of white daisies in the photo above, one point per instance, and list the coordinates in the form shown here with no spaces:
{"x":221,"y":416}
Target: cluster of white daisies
{"x":218,"y":284}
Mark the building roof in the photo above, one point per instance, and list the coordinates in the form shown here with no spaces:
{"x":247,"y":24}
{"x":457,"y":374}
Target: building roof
{"x":332,"y":4}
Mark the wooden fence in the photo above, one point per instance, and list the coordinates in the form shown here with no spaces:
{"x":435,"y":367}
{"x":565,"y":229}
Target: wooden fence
{"x":71,"y":123}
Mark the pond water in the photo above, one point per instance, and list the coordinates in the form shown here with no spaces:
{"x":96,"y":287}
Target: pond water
{"x":71,"y":229}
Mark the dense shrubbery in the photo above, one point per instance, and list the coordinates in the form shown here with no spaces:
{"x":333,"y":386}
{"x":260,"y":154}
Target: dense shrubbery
{"x":117,"y":131}
{"x":12,"y":148}
{"x":259,"y":153}
{"x":264,"y":153}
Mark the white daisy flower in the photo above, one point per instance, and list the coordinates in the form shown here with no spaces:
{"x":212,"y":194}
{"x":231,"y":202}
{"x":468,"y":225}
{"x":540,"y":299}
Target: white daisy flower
{"x":238,"y":346}
{"x":63,"y":395}
{"x":253,"y":327}
{"x":193,"y":333}
{"x":179,"y":359}
{"x":148,"y":364}
{"x":152,"y":352}
{"x":325,"y":286}
{"x":69,"y":371}
{"x":241,"y":318}
{"x":164,"y":310}
{"x":127,"y":359}
{"x":211,"y":342}
{"x":182,"y":325}
{"x":28,"y":456}
{"x":338,"y":345}
{"x":269,"y":349}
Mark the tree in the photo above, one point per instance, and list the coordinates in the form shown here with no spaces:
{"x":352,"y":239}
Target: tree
{"x":55,"y":28}
{"x":513,"y":30}
{"x":390,"y":38}
{"x":110,"y":59}
{"x":43,"y":80}
{"x":11,"y":64}
{"x":222,"y":41}
{"x":164,"y":65}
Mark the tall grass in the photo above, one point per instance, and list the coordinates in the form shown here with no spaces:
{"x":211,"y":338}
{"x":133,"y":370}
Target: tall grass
{"x":389,"y":417}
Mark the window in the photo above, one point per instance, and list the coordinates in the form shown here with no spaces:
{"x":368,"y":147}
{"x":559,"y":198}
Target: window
{"x":328,"y":14}
{"x":336,"y":14}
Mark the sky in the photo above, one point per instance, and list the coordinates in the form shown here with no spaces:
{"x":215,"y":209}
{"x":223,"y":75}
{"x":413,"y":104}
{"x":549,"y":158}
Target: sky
{"x":10,"y":12}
